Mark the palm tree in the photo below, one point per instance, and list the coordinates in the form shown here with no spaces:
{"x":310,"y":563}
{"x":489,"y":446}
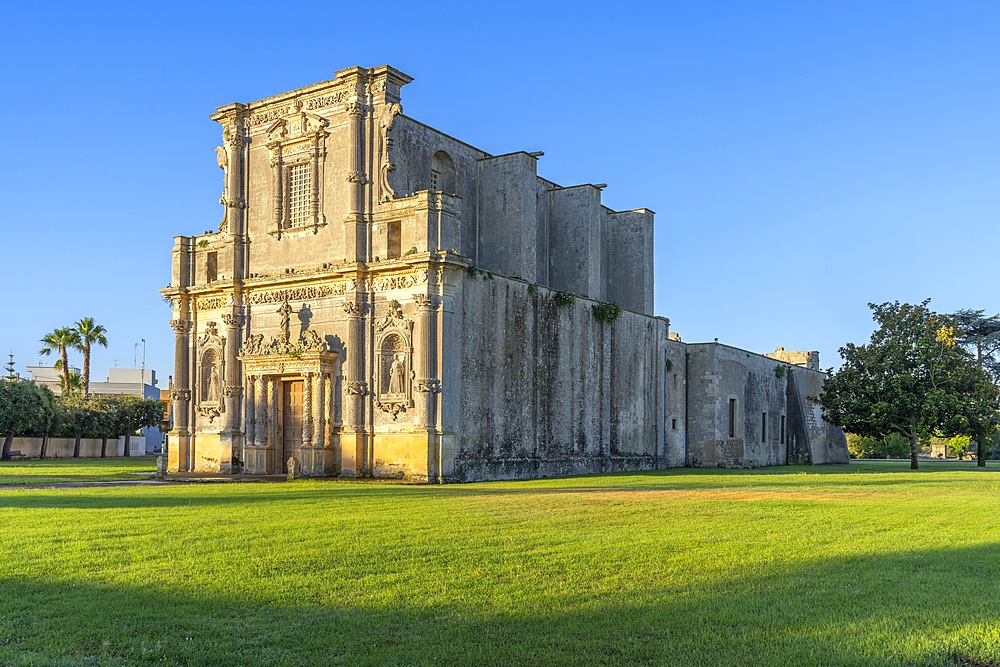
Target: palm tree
{"x":90,"y":333}
{"x":61,"y":339}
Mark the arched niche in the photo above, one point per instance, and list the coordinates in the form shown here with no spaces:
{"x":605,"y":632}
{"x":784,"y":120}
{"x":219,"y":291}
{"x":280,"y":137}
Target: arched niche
{"x":442,"y":173}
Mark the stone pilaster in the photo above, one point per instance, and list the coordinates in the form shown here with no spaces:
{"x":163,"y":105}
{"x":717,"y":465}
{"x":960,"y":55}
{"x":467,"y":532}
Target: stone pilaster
{"x":250,"y":427}
{"x":179,"y":456}
{"x":306,"y":449}
{"x":319,"y":425}
{"x":427,"y":384}
{"x":355,"y":390}
{"x":356,"y":239}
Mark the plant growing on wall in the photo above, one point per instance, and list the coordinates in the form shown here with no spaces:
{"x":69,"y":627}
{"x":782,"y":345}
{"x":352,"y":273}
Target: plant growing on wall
{"x":606,"y":311}
{"x":780,"y":371}
{"x":564,"y":298}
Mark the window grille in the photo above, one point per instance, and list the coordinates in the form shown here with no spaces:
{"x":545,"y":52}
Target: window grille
{"x":298,"y":195}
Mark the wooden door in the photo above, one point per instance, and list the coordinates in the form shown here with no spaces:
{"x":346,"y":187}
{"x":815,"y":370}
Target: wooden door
{"x":291,"y":425}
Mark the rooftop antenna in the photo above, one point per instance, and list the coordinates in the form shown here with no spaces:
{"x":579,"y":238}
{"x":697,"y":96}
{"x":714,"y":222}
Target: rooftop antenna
{"x":142,"y":371}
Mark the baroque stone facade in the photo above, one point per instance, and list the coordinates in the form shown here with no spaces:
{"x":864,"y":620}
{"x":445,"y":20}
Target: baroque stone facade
{"x":382,"y":299}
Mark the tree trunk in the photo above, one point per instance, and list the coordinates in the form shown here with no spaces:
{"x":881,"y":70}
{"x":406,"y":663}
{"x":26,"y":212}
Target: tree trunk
{"x":5,"y":450}
{"x":76,"y":445}
{"x":914,"y":446}
{"x":128,"y":443}
{"x":104,"y":446}
{"x":980,"y":451}
{"x":65,"y":369}
{"x":86,"y":368}
{"x":45,"y":446}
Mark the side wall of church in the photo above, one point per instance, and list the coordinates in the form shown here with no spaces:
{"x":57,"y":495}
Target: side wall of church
{"x":548,"y":389}
{"x":773,"y":421}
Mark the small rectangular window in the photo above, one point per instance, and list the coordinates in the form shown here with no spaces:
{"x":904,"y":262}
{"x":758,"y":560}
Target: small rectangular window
{"x":435,"y":180}
{"x":395,"y":238}
{"x":732,"y":417}
{"x":782,"y":429}
{"x":673,"y":424}
{"x":211,"y":267}
{"x":298,"y":195}
{"x":763,"y":427}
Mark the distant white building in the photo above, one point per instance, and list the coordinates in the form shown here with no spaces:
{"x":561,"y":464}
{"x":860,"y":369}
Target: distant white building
{"x":120,"y":382}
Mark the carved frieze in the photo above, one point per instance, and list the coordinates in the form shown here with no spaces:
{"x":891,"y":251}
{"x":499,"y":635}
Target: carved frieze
{"x":385,"y":283}
{"x":304,"y":293}
{"x":309,"y":341}
{"x":211,"y":302}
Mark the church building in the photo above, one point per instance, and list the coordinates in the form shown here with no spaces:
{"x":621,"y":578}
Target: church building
{"x":381,"y":299}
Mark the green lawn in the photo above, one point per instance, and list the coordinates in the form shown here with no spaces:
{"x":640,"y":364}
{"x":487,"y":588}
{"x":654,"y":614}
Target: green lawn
{"x":56,"y":471}
{"x":866,"y":565}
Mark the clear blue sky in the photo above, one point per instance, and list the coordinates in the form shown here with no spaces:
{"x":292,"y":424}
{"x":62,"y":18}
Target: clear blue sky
{"x":803,"y":158}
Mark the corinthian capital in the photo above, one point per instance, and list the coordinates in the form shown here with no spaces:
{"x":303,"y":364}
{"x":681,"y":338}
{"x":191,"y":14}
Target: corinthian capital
{"x":181,"y":326}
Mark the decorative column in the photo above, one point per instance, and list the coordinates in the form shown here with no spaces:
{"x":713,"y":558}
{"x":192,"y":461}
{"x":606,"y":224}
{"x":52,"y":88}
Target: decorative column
{"x":250,"y":428}
{"x":231,"y":441}
{"x":260,"y":426}
{"x":357,"y":240}
{"x":427,"y":384}
{"x":277,"y":441}
{"x":306,"y":449}
{"x":355,"y":388}
{"x":319,"y":425}
{"x":424,"y":362}
{"x":179,"y":456}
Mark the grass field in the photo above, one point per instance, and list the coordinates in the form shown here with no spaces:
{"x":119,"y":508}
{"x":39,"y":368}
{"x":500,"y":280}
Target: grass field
{"x":59,"y":471}
{"x":866,"y":565}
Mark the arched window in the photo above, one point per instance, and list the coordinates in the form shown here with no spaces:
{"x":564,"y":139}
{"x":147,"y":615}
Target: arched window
{"x":442,"y":173}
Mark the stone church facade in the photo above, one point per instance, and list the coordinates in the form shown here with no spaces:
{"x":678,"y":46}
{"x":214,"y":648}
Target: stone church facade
{"x":381,"y":299}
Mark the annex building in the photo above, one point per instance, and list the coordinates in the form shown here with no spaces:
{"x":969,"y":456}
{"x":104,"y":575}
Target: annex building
{"x":383,"y":299}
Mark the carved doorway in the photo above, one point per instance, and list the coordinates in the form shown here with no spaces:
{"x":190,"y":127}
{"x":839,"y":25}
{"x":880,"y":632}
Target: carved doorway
{"x":291,"y":422}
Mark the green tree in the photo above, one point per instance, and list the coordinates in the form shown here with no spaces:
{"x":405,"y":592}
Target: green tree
{"x":959,"y":445}
{"x":90,"y":333}
{"x":24,"y":407}
{"x":912,"y":378}
{"x":137,"y":413}
{"x":980,"y":335}
{"x":61,"y":340}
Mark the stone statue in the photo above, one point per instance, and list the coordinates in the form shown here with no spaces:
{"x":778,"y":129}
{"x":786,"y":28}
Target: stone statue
{"x":286,"y":312}
{"x":214,"y":385}
{"x":397,"y":379}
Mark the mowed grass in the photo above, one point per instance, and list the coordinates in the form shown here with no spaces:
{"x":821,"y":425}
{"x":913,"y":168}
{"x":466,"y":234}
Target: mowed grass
{"x":865,"y":565}
{"x":60,"y":471}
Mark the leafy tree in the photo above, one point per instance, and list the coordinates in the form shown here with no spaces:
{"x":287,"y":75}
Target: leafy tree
{"x":61,"y":340}
{"x":90,"y":333}
{"x":24,"y":407}
{"x":959,"y":445}
{"x":980,"y":335}
{"x":912,"y":378}
{"x":137,"y":413}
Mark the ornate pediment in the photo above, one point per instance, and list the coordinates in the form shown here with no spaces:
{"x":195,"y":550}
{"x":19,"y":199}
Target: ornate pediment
{"x":309,"y":341}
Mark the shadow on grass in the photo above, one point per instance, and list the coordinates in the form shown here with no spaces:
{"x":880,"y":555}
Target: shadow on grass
{"x":895,"y":609}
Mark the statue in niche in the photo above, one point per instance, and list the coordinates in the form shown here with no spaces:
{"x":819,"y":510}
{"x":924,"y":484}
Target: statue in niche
{"x":397,"y":375}
{"x":214,"y":385}
{"x":211,"y":380}
{"x":393,"y":366}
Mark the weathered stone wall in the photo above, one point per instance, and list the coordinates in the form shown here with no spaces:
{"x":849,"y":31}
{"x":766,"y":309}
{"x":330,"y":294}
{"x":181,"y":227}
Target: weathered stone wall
{"x":675,"y":426}
{"x":764,"y":390}
{"x":547,"y":389}
{"x":62,"y":448}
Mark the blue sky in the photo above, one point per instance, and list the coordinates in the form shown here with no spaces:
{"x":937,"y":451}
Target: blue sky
{"x":803,"y":158}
